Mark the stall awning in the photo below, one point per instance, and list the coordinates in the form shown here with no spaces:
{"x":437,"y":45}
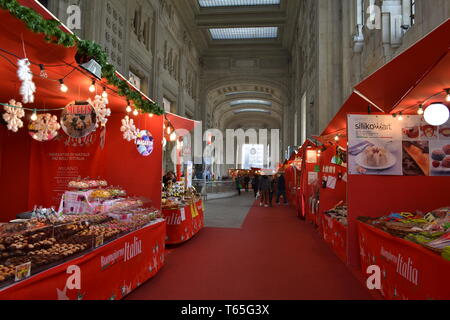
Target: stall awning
{"x":179,"y":122}
{"x":19,"y":42}
{"x":387,"y":87}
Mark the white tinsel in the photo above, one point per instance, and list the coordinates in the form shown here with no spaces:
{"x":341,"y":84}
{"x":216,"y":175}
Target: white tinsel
{"x":13,"y":116}
{"x":128,"y":128}
{"x":47,"y":126}
{"x":101,"y":110}
{"x":28,"y":87}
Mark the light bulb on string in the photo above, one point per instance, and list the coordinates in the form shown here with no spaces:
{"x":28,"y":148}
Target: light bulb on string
{"x":173,"y":136}
{"x":336,"y":138}
{"x":63,"y":88}
{"x":43,"y":74}
{"x":135,"y":112}
{"x":420,"y":110}
{"x":128,"y":109}
{"x":104,"y":94}
{"x":34,"y":116}
{"x":150,"y":115}
{"x":447,"y":97}
{"x":400,"y":117}
{"x":92,"y":87}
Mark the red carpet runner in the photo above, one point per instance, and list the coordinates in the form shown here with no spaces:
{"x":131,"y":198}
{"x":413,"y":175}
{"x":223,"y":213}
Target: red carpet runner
{"x":274,"y":256}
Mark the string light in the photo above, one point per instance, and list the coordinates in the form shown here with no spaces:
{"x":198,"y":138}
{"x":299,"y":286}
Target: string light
{"x":436,"y":114}
{"x":420,"y":111}
{"x":64,"y":88}
{"x":34,"y":116}
{"x":135,"y":112}
{"x":173,"y":136}
{"x":43,"y":73}
{"x":336,"y":138}
{"x":447,"y":98}
{"x":400,"y":117}
{"x":150,"y":115}
{"x":92,"y":87}
{"x":128,"y":109}
{"x":104,"y":94}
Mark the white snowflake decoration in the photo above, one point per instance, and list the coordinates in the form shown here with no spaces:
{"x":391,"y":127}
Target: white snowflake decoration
{"x":101,"y":110}
{"x":46,"y":127}
{"x":28,"y":87}
{"x":128,"y":128}
{"x":13,"y":116}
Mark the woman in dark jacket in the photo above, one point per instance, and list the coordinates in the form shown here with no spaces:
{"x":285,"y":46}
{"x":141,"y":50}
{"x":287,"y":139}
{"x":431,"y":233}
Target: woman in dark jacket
{"x":255,"y":184}
{"x":264,"y":189}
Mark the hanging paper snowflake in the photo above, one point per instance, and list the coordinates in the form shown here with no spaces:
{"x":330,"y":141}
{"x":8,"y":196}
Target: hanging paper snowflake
{"x":28,"y":87}
{"x":13,"y":116}
{"x":45,"y":128}
{"x":101,"y":110}
{"x":128,"y":128}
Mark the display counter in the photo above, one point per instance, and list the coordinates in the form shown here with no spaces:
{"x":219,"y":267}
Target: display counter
{"x":108,"y":272}
{"x":408,"y":270}
{"x":335,"y":234}
{"x":183,"y":222}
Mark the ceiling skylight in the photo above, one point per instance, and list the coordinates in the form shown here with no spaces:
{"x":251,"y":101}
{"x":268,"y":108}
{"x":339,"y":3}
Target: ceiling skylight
{"x":250,"y":101}
{"x":244,"y":33}
{"x":236,"y":3}
{"x":252,"y":110}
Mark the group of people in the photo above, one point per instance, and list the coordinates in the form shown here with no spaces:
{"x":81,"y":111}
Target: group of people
{"x":264,"y":187}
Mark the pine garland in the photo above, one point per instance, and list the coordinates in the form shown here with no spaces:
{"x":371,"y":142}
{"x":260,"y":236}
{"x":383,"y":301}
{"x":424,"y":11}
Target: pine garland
{"x":53,"y":33}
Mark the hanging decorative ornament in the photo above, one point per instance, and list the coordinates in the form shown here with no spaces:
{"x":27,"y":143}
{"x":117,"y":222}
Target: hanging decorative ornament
{"x":45,"y":128}
{"x":13,"y":116}
{"x":100,"y":107}
{"x":128,"y":128}
{"x":79,"y":119}
{"x":28,"y":87}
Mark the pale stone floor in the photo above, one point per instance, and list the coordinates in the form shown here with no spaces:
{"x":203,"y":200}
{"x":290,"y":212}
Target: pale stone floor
{"x":229,"y":212}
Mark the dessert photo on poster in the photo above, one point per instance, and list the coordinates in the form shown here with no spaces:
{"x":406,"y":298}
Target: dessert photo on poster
{"x":385,"y":145}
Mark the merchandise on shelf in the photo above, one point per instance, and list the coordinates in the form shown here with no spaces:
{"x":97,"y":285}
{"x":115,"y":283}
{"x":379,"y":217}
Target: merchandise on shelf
{"x":431,"y":230}
{"x":339,"y":213}
{"x":49,"y":238}
{"x":176,"y":195}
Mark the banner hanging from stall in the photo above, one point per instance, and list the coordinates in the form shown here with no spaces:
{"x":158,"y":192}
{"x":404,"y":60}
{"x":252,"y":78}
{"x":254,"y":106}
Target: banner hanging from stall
{"x":387,"y":145}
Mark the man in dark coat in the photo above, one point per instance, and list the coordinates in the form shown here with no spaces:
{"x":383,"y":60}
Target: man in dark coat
{"x":281,"y":189}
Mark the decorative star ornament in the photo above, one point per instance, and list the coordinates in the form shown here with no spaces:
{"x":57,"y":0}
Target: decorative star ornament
{"x":13,"y":116}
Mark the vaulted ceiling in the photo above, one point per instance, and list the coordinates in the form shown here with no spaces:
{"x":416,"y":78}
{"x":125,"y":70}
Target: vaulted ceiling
{"x":239,"y":25}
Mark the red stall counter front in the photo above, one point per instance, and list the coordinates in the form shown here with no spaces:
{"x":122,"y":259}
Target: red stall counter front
{"x":184,"y":223}
{"x":335,"y":234}
{"x":408,"y":270}
{"x":109,"y":272}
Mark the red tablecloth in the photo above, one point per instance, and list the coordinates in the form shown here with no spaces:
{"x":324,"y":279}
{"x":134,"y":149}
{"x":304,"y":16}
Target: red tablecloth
{"x":110,"y":272}
{"x":335,"y":234}
{"x":184,"y":223}
{"x":408,"y":270}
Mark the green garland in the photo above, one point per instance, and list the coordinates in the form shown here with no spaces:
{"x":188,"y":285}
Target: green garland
{"x":54,"y":34}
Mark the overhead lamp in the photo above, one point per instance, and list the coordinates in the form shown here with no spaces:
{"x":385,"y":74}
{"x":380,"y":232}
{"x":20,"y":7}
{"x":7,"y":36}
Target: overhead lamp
{"x":63,"y":88}
{"x":92,"y":87}
{"x":436,"y":114}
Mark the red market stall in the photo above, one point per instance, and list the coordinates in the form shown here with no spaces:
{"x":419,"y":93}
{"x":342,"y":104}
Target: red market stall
{"x":182,"y":205}
{"x":51,"y":146}
{"x":396,"y":170}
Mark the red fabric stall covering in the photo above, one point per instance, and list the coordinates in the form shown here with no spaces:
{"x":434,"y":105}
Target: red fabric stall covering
{"x":14,"y":173}
{"x":307,"y":190}
{"x":335,"y":234}
{"x":408,"y":270}
{"x":184,"y":223}
{"x":388,"y":86}
{"x":290,"y":174}
{"x":109,"y":272}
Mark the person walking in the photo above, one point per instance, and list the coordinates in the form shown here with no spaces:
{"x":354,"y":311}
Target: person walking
{"x":273,"y":190}
{"x":281,"y":189}
{"x":238,"y":184}
{"x":246,"y":182}
{"x":264,"y":189}
{"x":255,"y":185}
